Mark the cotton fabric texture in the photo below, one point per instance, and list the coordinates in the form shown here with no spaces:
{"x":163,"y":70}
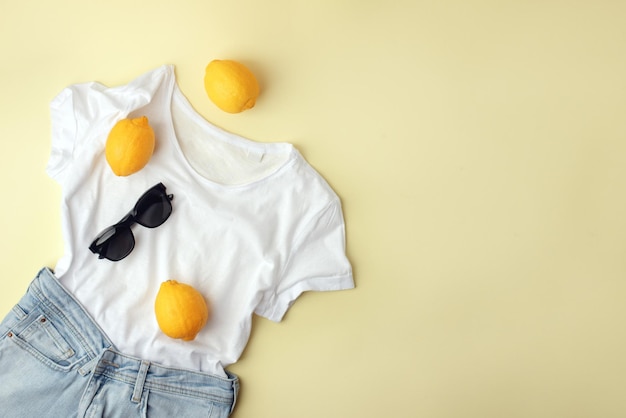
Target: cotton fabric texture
{"x":253,"y":225}
{"x":56,"y":362}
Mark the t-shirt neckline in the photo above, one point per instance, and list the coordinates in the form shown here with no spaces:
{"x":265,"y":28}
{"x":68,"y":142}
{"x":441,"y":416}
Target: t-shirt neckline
{"x":175,"y":97}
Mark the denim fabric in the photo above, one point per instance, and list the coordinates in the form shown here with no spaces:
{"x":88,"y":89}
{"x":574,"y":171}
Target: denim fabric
{"x":56,"y":362}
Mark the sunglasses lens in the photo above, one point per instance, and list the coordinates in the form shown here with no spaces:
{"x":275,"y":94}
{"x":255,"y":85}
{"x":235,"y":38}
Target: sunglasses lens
{"x":114,"y":243}
{"x":153,"y":209}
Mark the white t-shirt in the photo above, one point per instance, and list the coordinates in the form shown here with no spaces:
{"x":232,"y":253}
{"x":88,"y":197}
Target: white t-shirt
{"x":253,"y":225}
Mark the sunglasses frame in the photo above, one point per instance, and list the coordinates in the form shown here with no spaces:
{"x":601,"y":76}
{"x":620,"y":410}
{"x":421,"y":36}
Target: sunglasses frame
{"x":101,"y":244}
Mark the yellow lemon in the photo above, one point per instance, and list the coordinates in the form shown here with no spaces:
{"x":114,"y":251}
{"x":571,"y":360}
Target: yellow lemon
{"x":180,"y":310}
{"x":129,"y":146}
{"x":231,"y":85}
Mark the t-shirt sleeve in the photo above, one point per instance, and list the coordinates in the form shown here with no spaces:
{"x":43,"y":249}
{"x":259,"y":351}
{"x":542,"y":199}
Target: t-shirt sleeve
{"x":317,"y":262}
{"x":81,"y":113}
{"x":75,"y":112}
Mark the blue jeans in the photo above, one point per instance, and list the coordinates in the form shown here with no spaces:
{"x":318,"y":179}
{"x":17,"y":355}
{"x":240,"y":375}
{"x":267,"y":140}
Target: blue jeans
{"x":56,"y":362}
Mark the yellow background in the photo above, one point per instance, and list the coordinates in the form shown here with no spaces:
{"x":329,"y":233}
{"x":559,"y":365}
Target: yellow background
{"x":479,"y":148}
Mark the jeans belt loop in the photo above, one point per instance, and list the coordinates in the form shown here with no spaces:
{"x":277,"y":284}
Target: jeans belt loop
{"x":88,"y":367}
{"x":141,"y":379}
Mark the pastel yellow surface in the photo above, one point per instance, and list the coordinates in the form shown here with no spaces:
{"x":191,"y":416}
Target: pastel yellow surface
{"x":479,"y":148}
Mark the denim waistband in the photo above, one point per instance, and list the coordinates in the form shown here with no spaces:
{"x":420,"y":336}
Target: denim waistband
{"x":142,"y":374}
{"x":99,"y":356}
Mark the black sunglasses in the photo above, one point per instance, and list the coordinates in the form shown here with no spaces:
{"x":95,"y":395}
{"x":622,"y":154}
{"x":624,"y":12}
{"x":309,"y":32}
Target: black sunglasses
{"x":151,"y":210}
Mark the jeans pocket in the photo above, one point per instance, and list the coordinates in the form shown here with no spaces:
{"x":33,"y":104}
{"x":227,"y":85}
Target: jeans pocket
{"x":42,"y":339}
